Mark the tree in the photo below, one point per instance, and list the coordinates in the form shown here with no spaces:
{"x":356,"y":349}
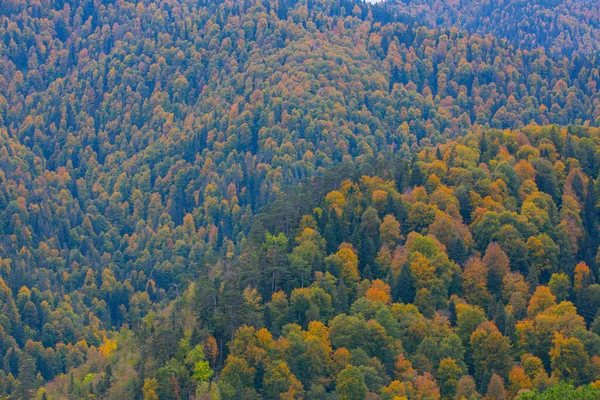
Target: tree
{"x":425,"y":387}
{"x":498,"y":265}
{"x":26,"y":378}
{"x":389,"y":231}
{"x":540,"y":301}
{"x":404,"y":288}
{"x":491,"y":353}
{"x":379,"y":291}
{"x":562,"y":390}
{"x":495,"y":389}
{"x":518,"y":380}
{"x":467,"y":320}
{"x":310,"y":352}
{"x":560,"y":286}
{"x":475,"y":282}
{"x":452,"y":312}
{"x":422,"y":271}
{"x":583,"y":277}
{"x":305,"y":257}
{"x":370,"y":222}
{"x":279,"y":380}
{"x":448,"y":374}
{"x":543,"y":256}
{"x":545,"y":177}
{"x":457,"y":251}
{"x":150,"y":388}
{"x":237,"y":378}
{"x":274,"y":256}
{"x":395,"y":389}
{"x":345,"y":265}
{"x":277,"y":311}
{"x":466,"y":389}
{"x":200,"y":367}
{"x":310,"y":304}
{"x":426,"y":302}
{"x":404,"y":369}
{"x":516,"y":291}
{"x":511,"y":241}
{"x":420,"y":216}
{"x":569,"y":359}
{"x":350,"y":384}
{"x":589,"y":302}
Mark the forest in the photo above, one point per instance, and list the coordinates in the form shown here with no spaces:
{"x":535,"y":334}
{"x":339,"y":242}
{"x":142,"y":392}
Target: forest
{"x":564,"y":28}
{"x":314,"y":199}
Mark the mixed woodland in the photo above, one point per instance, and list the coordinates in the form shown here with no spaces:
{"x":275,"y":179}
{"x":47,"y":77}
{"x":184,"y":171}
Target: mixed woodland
{"x":564,"y":28}
{"x":314,"y":199}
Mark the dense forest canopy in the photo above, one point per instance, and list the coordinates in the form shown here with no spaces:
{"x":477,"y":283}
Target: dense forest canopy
{"x":206,"y":198}
{"x":562,"y":27}
{"x":465,"y":270}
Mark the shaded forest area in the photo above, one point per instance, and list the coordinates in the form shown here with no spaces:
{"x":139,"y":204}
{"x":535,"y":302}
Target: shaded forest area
{"x":564,"y":28}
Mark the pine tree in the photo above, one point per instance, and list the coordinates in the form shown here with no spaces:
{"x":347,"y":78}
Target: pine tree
{"x":495,"y":389}
{"x":26,"y":378}
{"x":416,"y":176}
{"x":457,"y":251}
{"x":452,"y":312}
{"x":342,"y":298}
{"x":405,"y":288}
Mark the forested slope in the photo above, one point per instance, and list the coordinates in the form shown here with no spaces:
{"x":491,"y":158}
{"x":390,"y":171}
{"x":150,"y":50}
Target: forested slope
{"x":139,"y":140}
{"x":468,"y":270}
{"x":564,"y":28}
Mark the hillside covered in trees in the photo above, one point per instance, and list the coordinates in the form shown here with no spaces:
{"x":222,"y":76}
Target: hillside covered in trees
{"x":564,"y":28}
{"x":226,"y":198}
{"x":463,"y":272}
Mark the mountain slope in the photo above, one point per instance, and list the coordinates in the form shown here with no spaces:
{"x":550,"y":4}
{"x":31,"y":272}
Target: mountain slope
{"x":139,"y":140}
{"x":561,"y":27}
{"x":461,"y":272}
